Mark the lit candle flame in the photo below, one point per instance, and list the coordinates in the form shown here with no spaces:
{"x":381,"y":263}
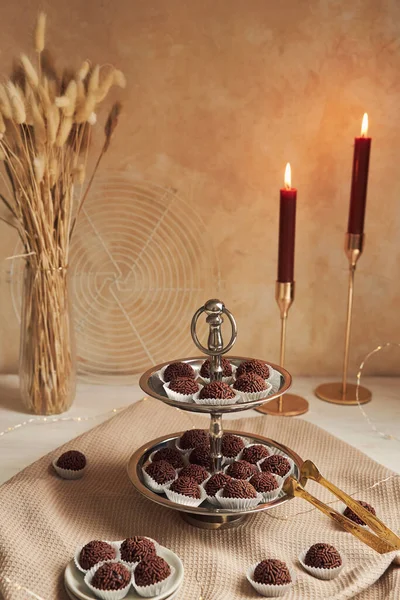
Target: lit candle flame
{"x":288,"y":177}
{"x":364,"y":126}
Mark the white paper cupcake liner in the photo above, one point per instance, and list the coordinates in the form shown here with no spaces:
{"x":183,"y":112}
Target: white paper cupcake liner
{"x":161,"y":372}
{"x":318,"y":572}
{"x":186,"y":500}
{"x":184,"y":458}
{"x":107,"y":594}
{"x":184,"y":451}
{"x":269,"y":496}
{"x":78,"y":553}
{"x":280,"y":453}
{"x":270,"y":451}
{"x":215,"y":401}
{"x":274,"y":380}
{"x":158,"y":488}
{"x":254,"y":396}
{"x":149,"y":591}
{"x":68,"y":473}
{"x":237,"y":503}
{"x":176,"y":395}
{"x":269,"y":590}
{"x":211,"y":499}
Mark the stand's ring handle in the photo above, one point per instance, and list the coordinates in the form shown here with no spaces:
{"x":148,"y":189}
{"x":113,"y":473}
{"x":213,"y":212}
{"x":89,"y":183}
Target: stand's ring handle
{"x":214,"y":309}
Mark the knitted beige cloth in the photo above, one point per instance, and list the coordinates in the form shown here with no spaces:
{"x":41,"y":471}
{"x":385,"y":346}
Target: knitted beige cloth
{"x":44,"y":518}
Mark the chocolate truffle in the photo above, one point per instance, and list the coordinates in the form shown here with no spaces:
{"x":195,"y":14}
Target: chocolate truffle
{"x":217,"y":389}
{"x":178,"y":369}
{"x":171,"y":455}
{"x":226,"y":368}
{"x":111,"y":576}
{"x":193,"y":438}
{"x":276,"y":464}
{"x":94,"y":552}
{"x":184,"y":385}
{"x":137,"y":548}
{"x":72,"y":460}
{"x":186,"y":486}
{"x":352,"y":515}
{"x":253,"y":366}
{"x":264,"y":482}
{"x":238,"y":489}
{"x":216,"y":483}
{"x":255,"y":453}
{"x":250,"y":383}
{"x":231,"y":445}
{"x":272,"y":572}
{"x":196,"y":472}
{"x":323,"y":556}
{"x":151,"y":571}
{"x":241,"y":469}
{"x":201,"y":456}
{"x":161,"y":471}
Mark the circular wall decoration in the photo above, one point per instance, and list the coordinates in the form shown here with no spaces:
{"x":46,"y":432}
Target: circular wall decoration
{"x":141,"y":264}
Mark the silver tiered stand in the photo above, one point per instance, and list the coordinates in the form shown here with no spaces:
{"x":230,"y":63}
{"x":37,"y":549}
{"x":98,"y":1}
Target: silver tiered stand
{"x":208,"y":516}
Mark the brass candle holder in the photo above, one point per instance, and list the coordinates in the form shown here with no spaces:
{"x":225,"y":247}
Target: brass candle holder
{"x":289,"y":405}
{"x":346,"y":393}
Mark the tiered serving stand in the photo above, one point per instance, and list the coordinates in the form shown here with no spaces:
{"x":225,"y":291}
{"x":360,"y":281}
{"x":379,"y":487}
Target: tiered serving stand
{"x":208,"y":516}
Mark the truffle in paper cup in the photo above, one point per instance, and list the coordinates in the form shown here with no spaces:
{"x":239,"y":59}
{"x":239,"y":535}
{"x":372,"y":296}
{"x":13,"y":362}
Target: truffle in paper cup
{"x":68,"y":473}
{"x":149,"y":591}
{"x":273,"y":494}
{"x":274,"y":380}
{"x":185,"y":457}
{"x":161,"y":372}
{"x":318,"y":572}
{"x":77,"y":554}
{"x":268,"y":448}
{"x":269,"y":590}
{"x":216,"y":401}
{"x":176,"y":395}
{"x":237,"y":503}
{"x":186,"y":500}
{"x":158,"y":488}
{"x":107,"y":594}
{"x":254,"y":396}
{"x":132,"y":564}
{"x":341,"y":511}
{"x":276,"y":452}
{"x":226,"y":467}
{"x":229,"y":380}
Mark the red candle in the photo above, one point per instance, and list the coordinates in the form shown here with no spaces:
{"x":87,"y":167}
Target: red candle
{"x":287,"y":229}
{"x":359,"y":182}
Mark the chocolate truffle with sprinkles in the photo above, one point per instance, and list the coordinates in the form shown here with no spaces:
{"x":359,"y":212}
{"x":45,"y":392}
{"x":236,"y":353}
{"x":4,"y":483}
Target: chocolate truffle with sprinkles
{"x":111,"y":576}
{"x":231,"y":445}
{"x":179,"y":369}
{"x":253,"y":366}
{"x":323,"y":556}
{"x":171,"y":455}
{"x":250,"y":383}
{"x":151,"y":571}
{"x":264,"y":482}
{"x":217,"y":389}
{"x":352,"y":515}
{"x":196,"y":472}
{"x":201,"y":456}
{"x":193,"y":438}
{"x":216,"y":483}
{"x":239,"y":489}
{"x":137,"y":548}
{"x":72,"y":460}
{"x":94,"y":552}
{"x":272,"y":572}
{"x":241,"y":469}
{"x":184,"y":385}
{"x":226,"y":368}
{"x":276,"y":464}
{"x":255,"y":453}
{"x":161,"y":471}
{"x":187,"y":487}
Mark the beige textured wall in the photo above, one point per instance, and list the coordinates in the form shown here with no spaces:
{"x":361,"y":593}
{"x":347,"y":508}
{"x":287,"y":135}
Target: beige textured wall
{"x":221,"y":94}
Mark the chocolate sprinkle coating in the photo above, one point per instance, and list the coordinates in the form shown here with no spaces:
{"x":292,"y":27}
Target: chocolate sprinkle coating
{"x":323,"y":556}
{"x":72,"y":460}
{"x":196,"y":472}
{"x":239,"y":489}
{"x":193,"y":438}
{"x":187,"y":487}
{"x":250,"y":383}
{"x":231,"y":445}
{"x":272,"y":572}
{"x":161,"y":471}
{"x":255,"y":453}
{"x":94,"y":552}
{"x":352,"y":515}
{"x":216,"y":483}
{"x":201,"y":456}
{"x":179,"y":369}
{"x":264,"y":482}
{"x":151,"y":571}
{"x":137,"y":548}
{"x":253,"y":366}
{"x":241,"y":469}
{"x":276,"y":464}
{"x":217,"y":389}
{"x":171,"y":455}
{"x":111,"y":576}
{"x":184,"y":385}
{"x":226,"y":368}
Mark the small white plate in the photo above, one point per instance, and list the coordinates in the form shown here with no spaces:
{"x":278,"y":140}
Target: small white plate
{"x":76,"y":587}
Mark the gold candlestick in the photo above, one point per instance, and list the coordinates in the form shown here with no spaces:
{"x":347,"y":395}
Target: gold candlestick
{"x":288,"y":405}
{"x":345,"y":393}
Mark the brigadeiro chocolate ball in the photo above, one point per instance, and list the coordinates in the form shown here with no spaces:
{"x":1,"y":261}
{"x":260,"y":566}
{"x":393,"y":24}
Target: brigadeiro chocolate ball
{"x":253,"y":366}
{"x":323,"y":556}
{"x":276,"y":464}
{"x":264,"y":482}
{"x":73,"y":460}
{"x":137,"y":548}
{"x":161,"y":471}
{"x":201,"y":456}
{"x":216,"y":483}
{"x":94,"y":552}
{"x":272,"y":572}
{"x":241,"y":470}
{"x":151,"y":571}
{"x":352,"y":515}
{"x":171,"y":455}
{"x":111,"y":576}
{"x":184,"y":385}
{"x":217,"y":389}
{"x":231,"y":445}
{"x":226,"y":368}
{"x":193,"y":438}
{"x":187,"y":487}
{"x":255,"y":453}
{"x":250,"y":383}
{"x":179,"y":369}
{"x":238,"y":489}
{"x":196,"y":472}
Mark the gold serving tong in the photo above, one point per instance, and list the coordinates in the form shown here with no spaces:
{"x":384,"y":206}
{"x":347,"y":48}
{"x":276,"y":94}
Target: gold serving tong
{"x":385,"y":540}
